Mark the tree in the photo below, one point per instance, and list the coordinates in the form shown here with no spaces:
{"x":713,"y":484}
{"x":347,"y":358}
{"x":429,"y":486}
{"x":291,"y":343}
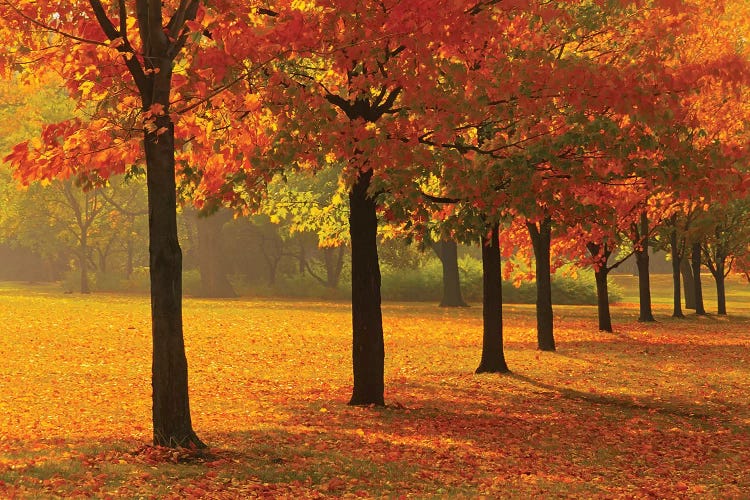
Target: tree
{"x":493,"y":357}
{"x":312,"y":204}
{"x":214,"y":281}
{"x":695,"y":264}
{"x":129,"y":63}
{"x":727,"y":242}
{"x":541,"y":238}
{"x":447,"y":251}
{"x":641,"y":236}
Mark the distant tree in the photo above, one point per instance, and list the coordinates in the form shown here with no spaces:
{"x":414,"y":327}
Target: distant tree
{"x":726,"y":243}
{"x":209,"y":251}
{"x":447,"y":251}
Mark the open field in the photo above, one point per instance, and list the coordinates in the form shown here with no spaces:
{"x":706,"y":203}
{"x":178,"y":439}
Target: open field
{"x":655,"y":410}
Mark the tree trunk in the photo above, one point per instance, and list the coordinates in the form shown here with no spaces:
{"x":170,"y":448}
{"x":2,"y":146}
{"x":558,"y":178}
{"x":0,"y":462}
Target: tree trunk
{"x":676,"y":258}
{"x":602,"y":292}
{"x":541,"y":240}
{"x":214,"y":282}
{"x":368,"y":349}
{"x":696,"y":274}
{"x":334,"y":262}
{"x":721,"y":294}
{"x":688,"y":284}
{"x":447,"y":252}
{"x":83,"y":261}
{"x":171,"y":407}
{"x":602,"y":300}
{"x":493,"y":358}
{"x":644,"y":280}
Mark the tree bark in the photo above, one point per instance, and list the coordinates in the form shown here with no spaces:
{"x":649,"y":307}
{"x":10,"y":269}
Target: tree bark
{"x":676,"y":258}
{"x":493,"y":357}
{"x":447,"y":252}
{"x":602,"y":300}
{"x":602,"y":292}
{"x":541,"y":240}
{"x":171,"y":407}
{"x":161,"y":42}
{"x":368,"y":349}
{"x":214,"y":281}
{"x":644,"y":280}
{"x":721,"y":294}
{"x":696,"y":275}
{"x":688,"y":284}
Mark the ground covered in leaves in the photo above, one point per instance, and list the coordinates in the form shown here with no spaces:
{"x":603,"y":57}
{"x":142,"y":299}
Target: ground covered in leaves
{"x":654,"y":410}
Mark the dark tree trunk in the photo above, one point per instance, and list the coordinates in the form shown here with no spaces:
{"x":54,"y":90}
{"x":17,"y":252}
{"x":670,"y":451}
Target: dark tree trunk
{"x":676,"y":258}
{"x":721,"y":293}
{"x":493,"y":357}
{"x":688,"y":284}
{"x":602,"y":292}
{"x":644,"y":280}
{"x":368,"y":349}
{"x":541,"y":240}
{"x":153,"y":78}
{"x":171,"y":407}
{"x":214,"y":281}
{"x":696,"y":275}
{"x":602,"y":300}
{"x":716,"y":259}
{"x":447,"y":252}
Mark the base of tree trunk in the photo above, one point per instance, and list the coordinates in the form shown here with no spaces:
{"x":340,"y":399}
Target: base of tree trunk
{"x":191,"y":441}
{"x":492,"y":368}
{"x":364,"y":401}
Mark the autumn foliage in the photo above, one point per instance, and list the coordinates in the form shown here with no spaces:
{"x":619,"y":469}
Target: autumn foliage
{"x":577,"y":122}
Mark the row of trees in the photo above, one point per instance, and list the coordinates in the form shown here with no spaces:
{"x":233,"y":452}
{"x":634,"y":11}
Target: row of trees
{"x":597,"y":120}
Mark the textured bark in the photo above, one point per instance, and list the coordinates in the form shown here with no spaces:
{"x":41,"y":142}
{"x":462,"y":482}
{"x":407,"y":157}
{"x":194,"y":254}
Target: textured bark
{"x":676,"y":258}
{"x":721,"y":294}
{"x":602,"y":300}
{"x":493,"y":357}
{"x":541,"y":240}
{"x":716,"y":264}
{"x":602,"y":292}
{"x":695,"y":260}
{"x":161,"y":41}
{"x":447,"y":252}
{"x":688,"y":284}
{"x":171,"y":407}
{"x":368,"y":350}
{"x":644,"y":280}
{"x":214,"y":281}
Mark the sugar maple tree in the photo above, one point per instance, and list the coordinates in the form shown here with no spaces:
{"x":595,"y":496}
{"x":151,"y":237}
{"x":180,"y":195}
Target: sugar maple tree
{"x":130,"y":63}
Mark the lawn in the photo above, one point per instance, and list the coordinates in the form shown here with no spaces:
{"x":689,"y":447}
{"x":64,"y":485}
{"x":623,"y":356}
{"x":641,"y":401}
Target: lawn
{"x":655,"y":410}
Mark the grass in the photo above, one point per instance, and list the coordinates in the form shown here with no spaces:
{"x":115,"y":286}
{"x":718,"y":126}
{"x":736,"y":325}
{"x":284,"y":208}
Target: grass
{"x":661,"y":289}
{"x":654,"y":410}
